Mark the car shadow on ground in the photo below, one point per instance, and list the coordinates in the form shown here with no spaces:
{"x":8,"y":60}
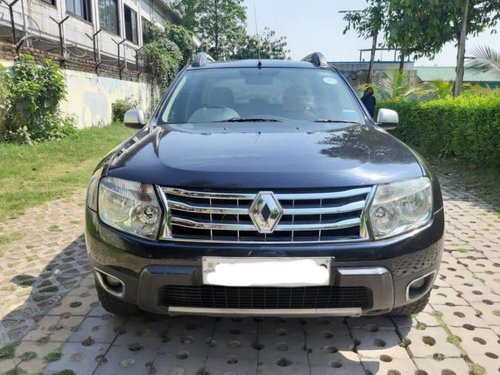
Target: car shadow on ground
{"x":60,"y":276}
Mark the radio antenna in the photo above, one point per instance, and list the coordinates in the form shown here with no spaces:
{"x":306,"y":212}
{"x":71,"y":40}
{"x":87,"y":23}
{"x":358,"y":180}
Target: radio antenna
{"x":257,"y":33}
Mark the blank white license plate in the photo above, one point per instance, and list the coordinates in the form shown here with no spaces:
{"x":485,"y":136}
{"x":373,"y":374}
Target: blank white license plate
{"x":266,"y":271}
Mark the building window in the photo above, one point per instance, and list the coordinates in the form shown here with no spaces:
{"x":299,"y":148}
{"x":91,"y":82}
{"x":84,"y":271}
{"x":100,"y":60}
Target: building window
{"x":80,"y":8}
{"x":131,"y":24}
{"x":50,"y":2}
{"x":108,"y":15}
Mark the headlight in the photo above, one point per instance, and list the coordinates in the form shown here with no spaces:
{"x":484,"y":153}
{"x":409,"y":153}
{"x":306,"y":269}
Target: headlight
{"x":92,"y":191}
{"x":400,"y":207}
{"x":129,"y":206}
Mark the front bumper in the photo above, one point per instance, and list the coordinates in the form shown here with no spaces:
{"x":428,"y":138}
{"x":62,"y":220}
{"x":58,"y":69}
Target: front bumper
{"x":384,"y":268}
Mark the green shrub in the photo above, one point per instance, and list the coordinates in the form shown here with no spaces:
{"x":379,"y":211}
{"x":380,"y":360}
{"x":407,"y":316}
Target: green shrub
{"x":166,"y":51}
{"x":33,"y":94}
{"x":467,"y":127}
{"x":162,"y":61}
{"x":150,"y":32}
{"x":4,"y":103}
{"x":121,"y":106}
{"x":183,"y":38}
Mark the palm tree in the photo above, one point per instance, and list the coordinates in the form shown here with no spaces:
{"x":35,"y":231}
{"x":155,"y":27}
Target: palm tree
{"x":393,"y":84}
{"x":485,"y":59}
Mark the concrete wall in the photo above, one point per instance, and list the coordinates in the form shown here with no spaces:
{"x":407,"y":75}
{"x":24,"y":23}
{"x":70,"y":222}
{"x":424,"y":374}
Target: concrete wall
{"x":90,"y":97}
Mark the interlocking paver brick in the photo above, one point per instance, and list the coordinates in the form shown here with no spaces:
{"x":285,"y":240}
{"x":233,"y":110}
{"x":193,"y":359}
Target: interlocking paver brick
{"x":119,"y":360}
{"x":447,"y":296}
{"x":34,"y":365}
{"x":48,"y":296}
{"x":77,"y":357}
{"x":344,"y":362}
{"x":432,"y":340}
{"x":448,"y":366}
{"x":56,"y":328}
{"x":458,"y":316}
{"x":100,"y":329}
{"x":386,"y":365}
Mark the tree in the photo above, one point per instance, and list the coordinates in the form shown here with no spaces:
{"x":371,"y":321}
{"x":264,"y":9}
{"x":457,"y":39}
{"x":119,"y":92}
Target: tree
{"x":183,"y":38}
{"x":368,"y":23}
{"x":219,"y":23}
{"x":265,"y":46}
{"x":469,"y":17}
{"x":190,"y":7}
{"x":416,"y":28}
{"x":422,"y":27}
{"x":484,"y":59}
{"x":393,"y":84}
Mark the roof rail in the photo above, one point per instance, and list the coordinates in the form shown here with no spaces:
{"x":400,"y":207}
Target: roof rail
{"x":202,"y":59}
{"x":316,"y":59}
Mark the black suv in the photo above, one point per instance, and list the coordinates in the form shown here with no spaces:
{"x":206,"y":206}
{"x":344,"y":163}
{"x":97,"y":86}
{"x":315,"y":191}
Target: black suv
{"x":264,"y":188}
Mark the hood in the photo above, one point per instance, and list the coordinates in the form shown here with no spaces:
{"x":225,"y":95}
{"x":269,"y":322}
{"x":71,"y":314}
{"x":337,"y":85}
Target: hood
{"x":264,"y":156}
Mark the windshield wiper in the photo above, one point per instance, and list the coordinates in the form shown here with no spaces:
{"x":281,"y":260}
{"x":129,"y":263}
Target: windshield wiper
{"x":250,"y":119}
{"x":339,"y":121}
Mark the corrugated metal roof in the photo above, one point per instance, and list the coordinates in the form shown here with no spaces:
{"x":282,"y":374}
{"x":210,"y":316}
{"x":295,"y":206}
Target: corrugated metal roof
{"x":447,"y":73}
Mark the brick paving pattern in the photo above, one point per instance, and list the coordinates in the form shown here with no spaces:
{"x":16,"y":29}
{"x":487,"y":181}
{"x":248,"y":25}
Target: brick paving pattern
{"x":51,"y":320}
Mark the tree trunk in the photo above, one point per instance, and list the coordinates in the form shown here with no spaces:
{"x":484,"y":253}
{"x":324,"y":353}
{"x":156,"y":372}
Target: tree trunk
{"x":401,"y":62}
{"x":216,"y":29}
{"x":457,"y":88}
{"x":372,"y":59}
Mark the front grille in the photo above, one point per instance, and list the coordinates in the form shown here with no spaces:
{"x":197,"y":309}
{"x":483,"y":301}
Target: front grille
{"x":210,"y":296}
{"x":225,"y":216}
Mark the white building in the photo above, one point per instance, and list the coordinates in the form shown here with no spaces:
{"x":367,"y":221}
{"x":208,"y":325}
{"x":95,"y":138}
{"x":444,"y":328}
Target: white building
{"x":96,"y":77}
{"x":115,"y":21}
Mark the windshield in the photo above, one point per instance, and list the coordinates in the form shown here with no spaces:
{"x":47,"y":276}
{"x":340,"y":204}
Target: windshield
{"x":267,"y":94}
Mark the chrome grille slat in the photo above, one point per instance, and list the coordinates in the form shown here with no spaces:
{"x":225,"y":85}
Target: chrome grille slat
{"x":212,"y":226}
{"x":355,"y":206}
{"x":202,"y":194}
{"x":211,"y":216}
{"x":323,"y":226}
{"x":206,"y":209}
{"x":333,"y":195}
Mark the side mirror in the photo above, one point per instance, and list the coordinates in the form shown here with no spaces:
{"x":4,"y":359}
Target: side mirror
{"x":387,"y":118}
{"x":134,"y":118}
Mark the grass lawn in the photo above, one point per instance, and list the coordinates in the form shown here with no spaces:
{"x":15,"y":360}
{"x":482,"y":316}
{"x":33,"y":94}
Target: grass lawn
{"x":31,"y":175}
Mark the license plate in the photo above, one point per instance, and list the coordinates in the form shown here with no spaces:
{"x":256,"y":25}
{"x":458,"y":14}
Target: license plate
{"x":289,"y":272}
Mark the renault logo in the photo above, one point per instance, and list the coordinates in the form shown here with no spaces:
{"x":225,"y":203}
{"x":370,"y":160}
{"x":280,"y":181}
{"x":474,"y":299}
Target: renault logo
{"x":266,"y":212}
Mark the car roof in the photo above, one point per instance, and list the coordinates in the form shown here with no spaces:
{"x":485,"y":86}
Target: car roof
{"x":254,"y":63}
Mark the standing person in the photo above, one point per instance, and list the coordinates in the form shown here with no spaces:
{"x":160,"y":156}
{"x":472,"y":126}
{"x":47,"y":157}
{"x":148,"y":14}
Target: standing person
{"x":369,"y":101}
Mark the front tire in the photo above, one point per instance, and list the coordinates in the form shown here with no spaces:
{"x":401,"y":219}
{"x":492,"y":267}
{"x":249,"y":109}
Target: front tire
{"x":113,"y":304}
{"x":412,"y":308}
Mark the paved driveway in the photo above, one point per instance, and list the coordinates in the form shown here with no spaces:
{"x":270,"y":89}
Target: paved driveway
{"x":51,"y":321}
